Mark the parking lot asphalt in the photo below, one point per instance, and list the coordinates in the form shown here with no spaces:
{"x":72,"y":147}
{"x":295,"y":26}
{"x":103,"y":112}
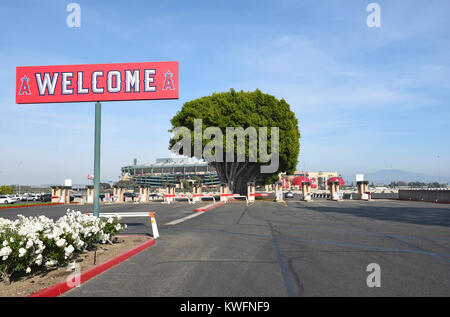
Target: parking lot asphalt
{"x":319,"y":248}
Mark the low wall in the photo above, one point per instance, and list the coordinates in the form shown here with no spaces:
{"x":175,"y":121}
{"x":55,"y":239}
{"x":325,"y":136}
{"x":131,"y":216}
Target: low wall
{"x":384,"y":196}
{"x":427,"y":195}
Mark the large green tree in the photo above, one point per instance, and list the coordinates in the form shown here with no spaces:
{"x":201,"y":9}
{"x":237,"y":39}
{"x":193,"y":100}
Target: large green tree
{"x":242,"y":109}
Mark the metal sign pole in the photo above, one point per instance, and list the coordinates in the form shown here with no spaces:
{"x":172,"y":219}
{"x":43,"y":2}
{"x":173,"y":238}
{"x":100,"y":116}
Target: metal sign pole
{"x":98,"y":123}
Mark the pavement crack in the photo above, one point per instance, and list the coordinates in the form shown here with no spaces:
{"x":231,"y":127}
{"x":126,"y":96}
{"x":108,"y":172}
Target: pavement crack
{"x":284,"y":270}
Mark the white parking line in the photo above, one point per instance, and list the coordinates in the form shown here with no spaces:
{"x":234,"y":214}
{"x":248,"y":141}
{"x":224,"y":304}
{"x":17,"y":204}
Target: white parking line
{"x":175,"y":222}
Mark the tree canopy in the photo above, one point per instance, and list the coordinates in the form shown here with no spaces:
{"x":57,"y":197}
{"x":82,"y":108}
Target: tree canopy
{"x":243,"y":109}
{"x":6,"y":190}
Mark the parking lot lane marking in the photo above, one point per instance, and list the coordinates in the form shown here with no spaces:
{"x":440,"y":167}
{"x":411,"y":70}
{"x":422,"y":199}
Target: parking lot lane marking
{"x":175,"y":222}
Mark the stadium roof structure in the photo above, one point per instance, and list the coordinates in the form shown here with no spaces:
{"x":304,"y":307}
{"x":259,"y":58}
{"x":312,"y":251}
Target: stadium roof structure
{"x":171,"y":162}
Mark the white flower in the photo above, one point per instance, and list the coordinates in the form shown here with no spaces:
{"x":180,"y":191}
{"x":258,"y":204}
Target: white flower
{"x":39,"y":259}
{"x":5,"y":251}
{"x":51,"y":263}
{"x":34,"y":234}
{"x":69,"y":249}
{"x":29,"y":243}
{"x":22,"y":252}
{"x":60,"y":242}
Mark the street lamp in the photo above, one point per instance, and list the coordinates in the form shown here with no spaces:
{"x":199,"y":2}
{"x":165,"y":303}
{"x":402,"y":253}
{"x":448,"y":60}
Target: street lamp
{"x":439,"y":169}
{"x":20,"y":163}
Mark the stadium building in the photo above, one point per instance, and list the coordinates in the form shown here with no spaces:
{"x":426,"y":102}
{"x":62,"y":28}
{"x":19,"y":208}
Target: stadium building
{"x":170,"y":171}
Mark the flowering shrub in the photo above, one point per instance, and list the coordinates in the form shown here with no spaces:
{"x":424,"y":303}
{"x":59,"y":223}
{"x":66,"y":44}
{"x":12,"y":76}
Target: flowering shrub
{"x":41,"y":242}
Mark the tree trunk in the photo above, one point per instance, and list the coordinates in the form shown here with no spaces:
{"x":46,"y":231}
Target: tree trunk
{"x":237,"y":174}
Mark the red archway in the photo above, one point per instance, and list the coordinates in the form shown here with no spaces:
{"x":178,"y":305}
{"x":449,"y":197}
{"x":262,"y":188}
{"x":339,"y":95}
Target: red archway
{"x":299,"y":180}
{"x":336,"y":179}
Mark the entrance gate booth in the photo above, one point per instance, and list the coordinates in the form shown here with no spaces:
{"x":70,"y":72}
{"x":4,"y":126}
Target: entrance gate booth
{"x":334,"y":190}
{"x":90,"y":194}
{"x":334,"y":183}
{"x":118,"y":194}
{"x":143,"y":194}
{"x":224,"y":192}
{"x":305,"y":184}
{"x":196,"y":193}
{"x":251,"y":187}
{"x":61,"y":194}
{"x":363,"y":190}
{"x":279,"y":191}
{"x":169,"y":196}
{"x":306,"y":190}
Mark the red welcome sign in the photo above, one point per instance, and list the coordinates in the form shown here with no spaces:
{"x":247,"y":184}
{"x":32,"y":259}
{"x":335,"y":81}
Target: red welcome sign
{"x":96,"y":82}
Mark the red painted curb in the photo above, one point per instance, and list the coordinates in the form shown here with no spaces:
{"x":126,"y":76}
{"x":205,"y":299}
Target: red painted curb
{"x":33,"y":205}
{"x":210,"y":207}
{"x":62,"y":287}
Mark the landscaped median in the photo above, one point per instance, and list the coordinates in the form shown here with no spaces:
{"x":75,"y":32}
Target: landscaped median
{"x":38,"y":253}
{"x":34,"y":204}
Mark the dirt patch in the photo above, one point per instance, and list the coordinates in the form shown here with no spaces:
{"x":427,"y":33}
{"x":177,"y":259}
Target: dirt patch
{"x":26,"y":284}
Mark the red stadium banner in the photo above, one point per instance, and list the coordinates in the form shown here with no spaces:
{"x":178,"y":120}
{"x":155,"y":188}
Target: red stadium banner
{"x":97,"y":82}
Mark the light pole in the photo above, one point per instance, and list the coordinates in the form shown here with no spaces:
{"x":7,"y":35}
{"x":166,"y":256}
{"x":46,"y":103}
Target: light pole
{"x":97,"y":140}
{"x":439,"y":169}
{"x":20,"y":163}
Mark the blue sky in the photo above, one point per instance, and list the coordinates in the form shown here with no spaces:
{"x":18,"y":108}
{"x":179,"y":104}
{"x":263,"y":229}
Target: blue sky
{"x":366,"y":98}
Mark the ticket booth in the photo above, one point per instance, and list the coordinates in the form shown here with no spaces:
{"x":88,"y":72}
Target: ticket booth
{"x":334,"y":185}
{"x":61,"y":194}
{"x":279,"y":191}
{"x":143,"y":194}
{"x":306,"y":190}
{"x":363,"y":190}
{"x":223,"y":190}
{"x":118,"y":194}
{"x":334,"y":190}
{"x":169,"y":195}
{"x":305,"y":184}
{"x":66,"y":194}
{"x":196,"y":192}
{"x":56,"y":193}
{"x":197,"y":189}
{"x":90,"y":194}
{"x":251,"y":187}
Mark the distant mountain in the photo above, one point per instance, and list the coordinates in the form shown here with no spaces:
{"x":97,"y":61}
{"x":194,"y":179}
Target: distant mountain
{"x":387,"y":176}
